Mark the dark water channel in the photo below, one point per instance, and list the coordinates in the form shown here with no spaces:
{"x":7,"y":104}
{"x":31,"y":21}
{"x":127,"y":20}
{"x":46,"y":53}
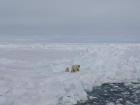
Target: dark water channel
{"x":114,"y":94}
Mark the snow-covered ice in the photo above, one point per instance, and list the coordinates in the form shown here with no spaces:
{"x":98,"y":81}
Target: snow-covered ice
{"x":33,"y":73}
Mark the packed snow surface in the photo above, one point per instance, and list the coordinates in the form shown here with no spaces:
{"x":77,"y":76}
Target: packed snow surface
{"x":34,"y":73}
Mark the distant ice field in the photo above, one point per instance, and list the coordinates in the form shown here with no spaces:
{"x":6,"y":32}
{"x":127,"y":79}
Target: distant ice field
{"x":34,"y":73}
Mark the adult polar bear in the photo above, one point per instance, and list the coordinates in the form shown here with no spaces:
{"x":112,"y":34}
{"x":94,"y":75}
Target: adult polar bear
{"x":74,"y":68}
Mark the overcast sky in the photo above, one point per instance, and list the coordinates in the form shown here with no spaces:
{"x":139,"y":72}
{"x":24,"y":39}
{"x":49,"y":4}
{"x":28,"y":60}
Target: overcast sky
{"x":98,"y":19}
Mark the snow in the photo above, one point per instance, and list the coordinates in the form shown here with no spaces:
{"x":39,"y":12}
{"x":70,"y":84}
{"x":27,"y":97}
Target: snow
{"x":34,"y":73}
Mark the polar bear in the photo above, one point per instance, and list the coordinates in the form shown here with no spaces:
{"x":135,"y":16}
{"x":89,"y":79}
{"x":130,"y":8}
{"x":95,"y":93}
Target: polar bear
{"x":74,"y":68}
{"x":67,"y":69}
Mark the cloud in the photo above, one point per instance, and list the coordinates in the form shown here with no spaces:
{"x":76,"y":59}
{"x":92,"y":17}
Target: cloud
{"x":70,"y":17}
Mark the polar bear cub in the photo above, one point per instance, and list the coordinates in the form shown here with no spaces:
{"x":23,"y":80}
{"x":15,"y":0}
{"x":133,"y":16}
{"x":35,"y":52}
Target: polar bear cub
{"x":67,"y":69}
{"x":74,"y":68}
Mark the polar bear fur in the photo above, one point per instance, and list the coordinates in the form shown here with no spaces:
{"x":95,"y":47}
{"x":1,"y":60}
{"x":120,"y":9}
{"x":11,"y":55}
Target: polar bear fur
{"x":74,"y":68}
{"x":67,"y":69}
